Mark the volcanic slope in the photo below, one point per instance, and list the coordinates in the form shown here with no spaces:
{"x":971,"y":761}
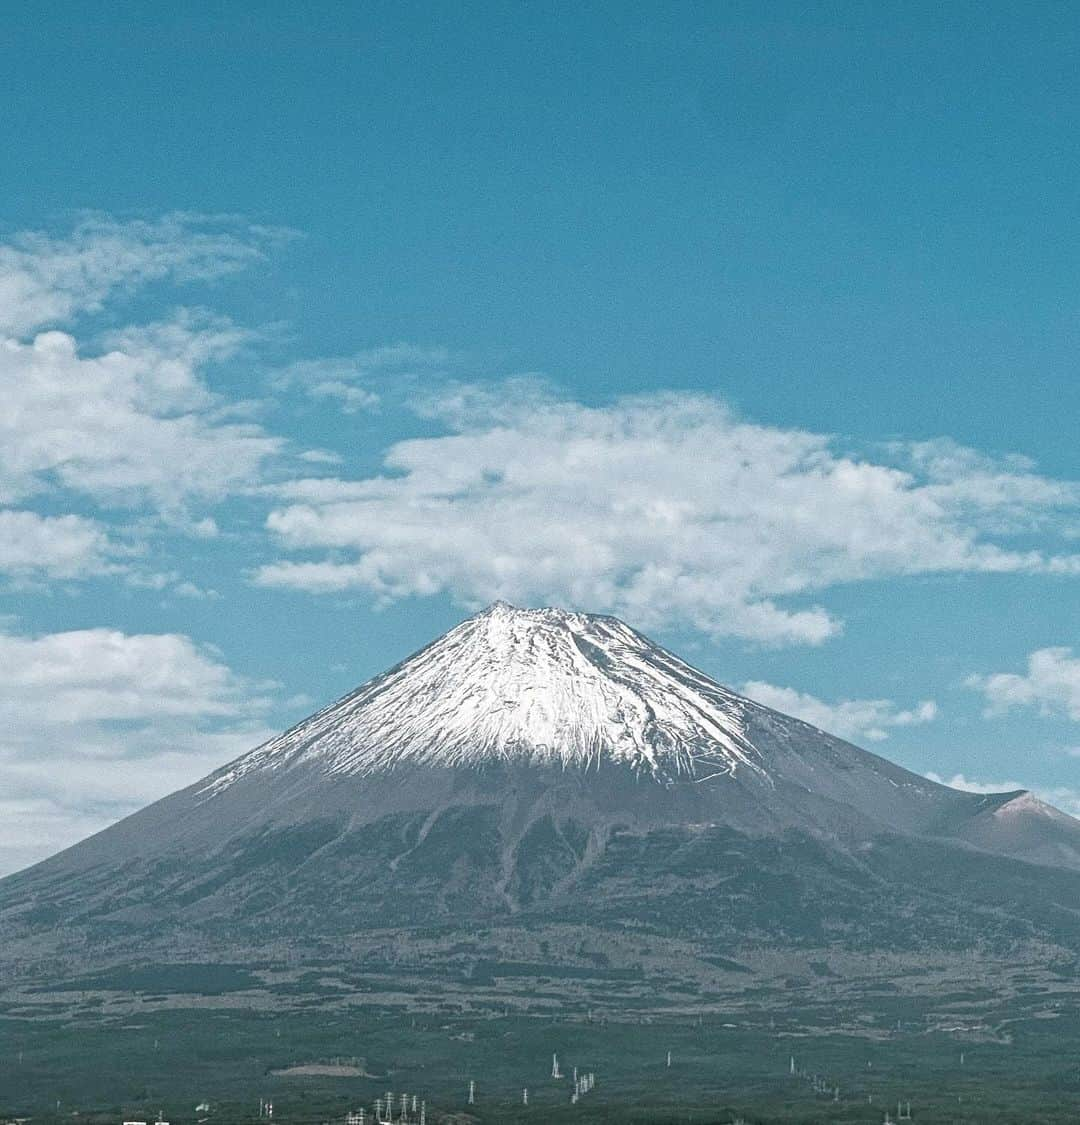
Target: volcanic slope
{"x":535,"y":769}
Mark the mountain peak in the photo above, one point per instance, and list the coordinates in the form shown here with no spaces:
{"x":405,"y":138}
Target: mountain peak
{"x":539,"y":685}
{"x":535,"y":617}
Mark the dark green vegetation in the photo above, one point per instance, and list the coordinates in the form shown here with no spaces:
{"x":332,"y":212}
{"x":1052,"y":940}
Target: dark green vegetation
{"x":732,"y":951}
{"x":714,"y":886}
{"x":1022,"y":1068}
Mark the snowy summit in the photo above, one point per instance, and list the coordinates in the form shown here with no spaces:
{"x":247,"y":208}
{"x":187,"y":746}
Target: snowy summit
{"x":539,"y":685}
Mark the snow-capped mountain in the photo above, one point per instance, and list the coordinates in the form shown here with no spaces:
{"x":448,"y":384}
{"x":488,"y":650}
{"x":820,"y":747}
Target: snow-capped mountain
{"x":529,"y":761}
{"x":540,"y":686}
{"x":534,"y":690}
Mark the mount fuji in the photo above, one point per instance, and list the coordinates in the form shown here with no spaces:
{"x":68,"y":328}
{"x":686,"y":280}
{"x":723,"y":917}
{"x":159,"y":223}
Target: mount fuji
{"x":555,"y":783}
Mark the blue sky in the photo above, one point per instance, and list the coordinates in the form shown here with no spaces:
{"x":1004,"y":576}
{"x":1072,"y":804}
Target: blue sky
{"x":754,"y":324}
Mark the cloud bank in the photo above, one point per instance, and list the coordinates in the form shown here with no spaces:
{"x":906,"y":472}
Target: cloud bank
{"x":126,"y":419}
{"x":666,"y":508}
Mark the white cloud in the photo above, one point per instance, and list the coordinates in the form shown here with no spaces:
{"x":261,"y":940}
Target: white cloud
{"x":33,"y":546}
{"x":132,"y":425}
{"x":852,"y":719}
{"x":1051,"y":684}
{"x":48,"y":280}
{"x":1018,"y":496}
{"x":96,"y":723}
{"x":197,"y":593}
{"x":665,"y":508}
{"x":1062,"y":796}
{"x":320,"y":457}
{"x":102,"y":674}
{"x":132,"y":420}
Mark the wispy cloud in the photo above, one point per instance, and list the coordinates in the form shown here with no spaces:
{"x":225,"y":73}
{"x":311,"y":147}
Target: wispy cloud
{"x":357,"y":382}
{"x":665,"y":507}
{"x":46,"y":280}
{"x":853,"y":719}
